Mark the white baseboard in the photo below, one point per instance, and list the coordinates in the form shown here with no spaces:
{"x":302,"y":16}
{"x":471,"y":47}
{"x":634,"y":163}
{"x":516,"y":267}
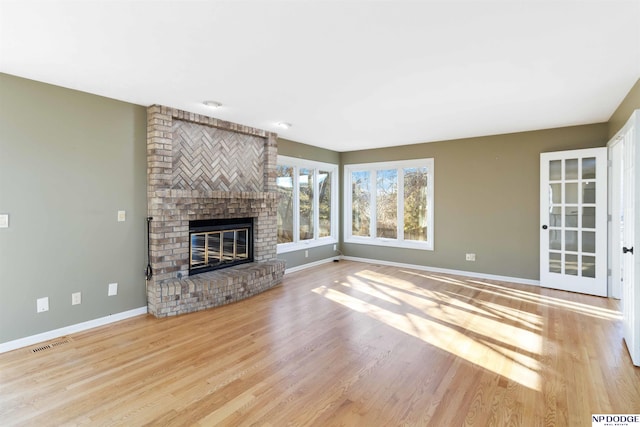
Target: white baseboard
{"x":309,"y":265}
{"x":56,"y":333}
{"x":446,"y":271}
{"x":79,"y":327}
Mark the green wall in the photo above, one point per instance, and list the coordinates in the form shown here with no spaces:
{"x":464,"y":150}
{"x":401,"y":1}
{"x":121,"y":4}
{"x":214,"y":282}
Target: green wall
{"x":308,"y":152}
{"x":630,"y":103}
{"x":486,"y":199}
{"x":69,"y":161}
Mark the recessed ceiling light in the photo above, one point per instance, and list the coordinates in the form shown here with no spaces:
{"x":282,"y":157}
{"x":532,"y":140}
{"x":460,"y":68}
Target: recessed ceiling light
{"x":284,"y":125}
{"x":212,"y":104}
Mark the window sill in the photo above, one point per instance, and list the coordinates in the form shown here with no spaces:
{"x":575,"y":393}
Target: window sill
{"x":306,"y":244}
{"x":408,"y":244}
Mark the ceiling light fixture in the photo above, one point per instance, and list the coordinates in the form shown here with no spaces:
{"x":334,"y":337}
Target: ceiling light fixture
{"x":212,"y":104}
{"x":284,"y":125}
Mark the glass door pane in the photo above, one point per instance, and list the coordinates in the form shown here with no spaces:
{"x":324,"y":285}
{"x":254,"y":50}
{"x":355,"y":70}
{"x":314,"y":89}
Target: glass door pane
{"x":566,"y":238}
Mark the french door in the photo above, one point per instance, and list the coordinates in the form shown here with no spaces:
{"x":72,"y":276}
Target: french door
{"x":573,"y":220}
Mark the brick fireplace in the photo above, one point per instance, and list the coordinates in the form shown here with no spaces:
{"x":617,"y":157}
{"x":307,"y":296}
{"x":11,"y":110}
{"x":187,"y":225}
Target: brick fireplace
{"x":200,"y":168}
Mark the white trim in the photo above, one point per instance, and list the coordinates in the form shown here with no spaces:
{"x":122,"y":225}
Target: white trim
{"x":79,"y":327}
{"x":626,"y":269}
{"x":57,"y":333}
{"x":614,"y":241}
{"x":305,"y":163}
{"x":391,"y":243}
{"x":284,"y":248}
{"x":311,"y":264}
{"x":446,"y":271}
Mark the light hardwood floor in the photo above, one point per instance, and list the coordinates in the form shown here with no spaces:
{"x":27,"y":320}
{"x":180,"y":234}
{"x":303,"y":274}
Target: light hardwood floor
{"x":350,"y":344}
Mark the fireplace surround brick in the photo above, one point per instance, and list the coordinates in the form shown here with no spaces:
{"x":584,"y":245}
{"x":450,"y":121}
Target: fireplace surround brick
{"x":214,"y":288}
{"x":200,"y":167}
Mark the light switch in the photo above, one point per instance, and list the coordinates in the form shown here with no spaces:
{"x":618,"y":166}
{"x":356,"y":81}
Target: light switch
{"x":4,"y":220}
{"x":122,"y":216}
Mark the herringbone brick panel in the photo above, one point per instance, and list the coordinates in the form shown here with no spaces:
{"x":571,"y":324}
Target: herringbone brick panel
{"x":207,"y":158}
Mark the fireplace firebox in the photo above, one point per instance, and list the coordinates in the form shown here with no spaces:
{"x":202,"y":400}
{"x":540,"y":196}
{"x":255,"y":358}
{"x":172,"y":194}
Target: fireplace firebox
{"x":219,"y":243}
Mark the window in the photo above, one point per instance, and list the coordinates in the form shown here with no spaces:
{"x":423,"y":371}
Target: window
{"x":308,"y":205}
{"x":390,"y":204}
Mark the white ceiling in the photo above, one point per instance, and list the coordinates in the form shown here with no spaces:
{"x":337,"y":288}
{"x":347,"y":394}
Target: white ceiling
{"x":347,"y":74}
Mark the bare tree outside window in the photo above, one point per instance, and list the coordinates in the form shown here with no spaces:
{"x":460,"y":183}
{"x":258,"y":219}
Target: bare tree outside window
{"x":390,"y":203}
{"x":387,"y":203}
{"x":306,"y":203}
{"x":360,"y":203}
{"x":324,"y":208}
{"x":284,"y":182}
{"x":415,"y":204}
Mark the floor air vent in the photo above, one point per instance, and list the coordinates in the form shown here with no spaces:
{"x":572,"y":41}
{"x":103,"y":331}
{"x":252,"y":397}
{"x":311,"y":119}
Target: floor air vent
{"x":48,"y":346}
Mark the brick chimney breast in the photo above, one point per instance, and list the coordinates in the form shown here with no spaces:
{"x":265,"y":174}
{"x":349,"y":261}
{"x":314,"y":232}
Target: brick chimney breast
{"x":199,"y":168}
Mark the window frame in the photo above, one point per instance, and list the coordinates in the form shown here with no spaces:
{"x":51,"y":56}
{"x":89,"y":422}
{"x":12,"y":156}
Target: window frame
{"x":372,"y":168}
{"x":316,"y":166}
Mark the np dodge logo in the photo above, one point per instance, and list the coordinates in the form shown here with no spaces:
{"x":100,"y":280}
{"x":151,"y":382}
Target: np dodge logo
{"x":615,"y":420}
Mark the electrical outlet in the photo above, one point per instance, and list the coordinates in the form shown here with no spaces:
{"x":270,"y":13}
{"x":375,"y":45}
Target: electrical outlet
{"x":306,"y":253}
{"x":42,"y":304}
{"x":76,"y":298}
{"x":470,"y":257}
{"x":335,"y":247}
{"x":4,"y":220}
{"x":122,"y":216}
{"x":113,"y":289}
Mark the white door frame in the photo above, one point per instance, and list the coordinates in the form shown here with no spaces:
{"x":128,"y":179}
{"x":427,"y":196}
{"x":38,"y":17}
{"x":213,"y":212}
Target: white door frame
{"x":627,"y":265}
{"x":615,"y":147}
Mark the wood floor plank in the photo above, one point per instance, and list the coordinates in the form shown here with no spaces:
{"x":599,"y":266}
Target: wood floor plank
{"x":346,"y":343}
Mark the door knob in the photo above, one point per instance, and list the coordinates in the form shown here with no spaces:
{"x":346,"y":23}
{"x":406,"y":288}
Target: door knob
{"x":629,"y":250}
{"x":544,"y":227}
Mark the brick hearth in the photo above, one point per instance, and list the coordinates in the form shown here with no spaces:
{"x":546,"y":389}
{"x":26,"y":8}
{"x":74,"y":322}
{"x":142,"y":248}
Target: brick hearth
{"x":198,"y":168}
